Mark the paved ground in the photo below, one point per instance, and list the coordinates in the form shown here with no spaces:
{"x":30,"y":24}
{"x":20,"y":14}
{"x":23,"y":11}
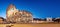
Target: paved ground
{"x":31,"y":25}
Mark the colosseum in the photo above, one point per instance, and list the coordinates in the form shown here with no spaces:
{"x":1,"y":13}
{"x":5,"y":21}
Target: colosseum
{"x":14,"y":15}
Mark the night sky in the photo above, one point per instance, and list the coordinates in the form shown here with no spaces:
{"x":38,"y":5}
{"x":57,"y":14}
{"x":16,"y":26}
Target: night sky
{"x":39,"y":8}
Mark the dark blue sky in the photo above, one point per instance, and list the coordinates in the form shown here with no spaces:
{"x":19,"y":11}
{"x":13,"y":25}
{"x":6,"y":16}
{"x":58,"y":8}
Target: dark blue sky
{"x":39,"y":8}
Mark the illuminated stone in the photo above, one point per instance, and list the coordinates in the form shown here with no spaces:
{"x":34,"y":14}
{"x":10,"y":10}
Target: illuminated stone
{"x":14,"y":15}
